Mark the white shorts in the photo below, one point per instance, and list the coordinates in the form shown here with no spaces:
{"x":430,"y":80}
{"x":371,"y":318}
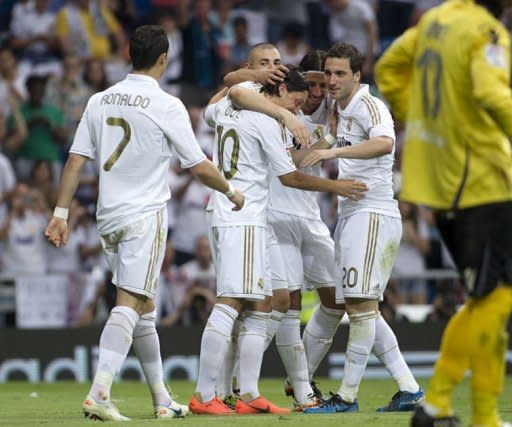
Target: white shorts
{"x":366,"y":246}
{"x":135,"y":253}
{"x":276,"y":267}
{"x":240,"y":256}
{"x":307,"y":249}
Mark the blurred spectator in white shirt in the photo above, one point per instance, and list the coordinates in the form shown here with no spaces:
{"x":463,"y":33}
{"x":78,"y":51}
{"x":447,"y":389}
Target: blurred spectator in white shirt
{"x":23,"y":234}
{"x":292,"y":45}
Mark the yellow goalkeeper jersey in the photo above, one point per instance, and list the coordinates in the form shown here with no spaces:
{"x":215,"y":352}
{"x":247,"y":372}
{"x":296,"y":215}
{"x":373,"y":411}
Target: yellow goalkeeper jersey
{"x":448,"y":79}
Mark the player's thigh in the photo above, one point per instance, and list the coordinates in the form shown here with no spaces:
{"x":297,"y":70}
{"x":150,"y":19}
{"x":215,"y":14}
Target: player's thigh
{"x":276,"y":273}
{"x":318,"y":255}
{"x":287,"y":231}
{"x":366,"y":248}
{"x":140,"y":254}
{"x":241,"y":262}
{"x":480,"y":242}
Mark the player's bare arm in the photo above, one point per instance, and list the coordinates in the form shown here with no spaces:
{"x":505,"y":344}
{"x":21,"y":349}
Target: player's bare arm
{"x":370,"y":149}
{"x":209,"y":175}
{"x":248,"y":99}
{"x":57,"y":230}
{"x":262,"y":76}
{"x":351,"y":189}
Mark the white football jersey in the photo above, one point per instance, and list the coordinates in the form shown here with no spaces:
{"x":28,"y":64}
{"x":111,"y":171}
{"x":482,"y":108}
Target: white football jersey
{"x":293,"y":201}
{"x":366,"y":117}
{"x":129,"y":129}
{"x":248,"y":146}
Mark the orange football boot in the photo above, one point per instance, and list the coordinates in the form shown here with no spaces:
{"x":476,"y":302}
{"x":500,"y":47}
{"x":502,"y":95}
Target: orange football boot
{"x":261,"y":405}
{"x":213,"y":407}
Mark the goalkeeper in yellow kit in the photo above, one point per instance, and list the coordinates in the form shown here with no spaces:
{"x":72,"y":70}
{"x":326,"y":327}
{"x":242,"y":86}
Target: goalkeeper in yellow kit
{"x":448,"y":79}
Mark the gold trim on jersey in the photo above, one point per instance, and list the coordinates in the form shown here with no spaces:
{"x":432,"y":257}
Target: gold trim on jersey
{"x":371,"y":249}
{"x":248,"y":265}
{"x":155,"y":250}
{"x":372,"y":108}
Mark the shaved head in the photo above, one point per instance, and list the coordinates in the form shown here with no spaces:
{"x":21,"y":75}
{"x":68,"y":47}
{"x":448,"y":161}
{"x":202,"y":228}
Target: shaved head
{"x":264,"y":55}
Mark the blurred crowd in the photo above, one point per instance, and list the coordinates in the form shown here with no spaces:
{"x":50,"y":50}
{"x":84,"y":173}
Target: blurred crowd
{"x":55,"y":53}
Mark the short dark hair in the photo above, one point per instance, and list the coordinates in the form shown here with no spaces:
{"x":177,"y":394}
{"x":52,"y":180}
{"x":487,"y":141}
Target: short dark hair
{"x":147,"y":43}
{"x":294,"y":81}
{"x":314,"y":60}
{"x":346,"y":50}
{"x":240,"y":20}
{"x":34,"y":80}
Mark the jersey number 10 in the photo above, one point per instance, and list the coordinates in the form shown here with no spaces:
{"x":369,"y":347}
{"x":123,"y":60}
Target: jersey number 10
{"x":222,"y":137}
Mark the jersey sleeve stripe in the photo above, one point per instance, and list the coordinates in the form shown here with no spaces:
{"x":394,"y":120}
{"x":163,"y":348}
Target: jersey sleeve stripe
{"x":373,"y":109}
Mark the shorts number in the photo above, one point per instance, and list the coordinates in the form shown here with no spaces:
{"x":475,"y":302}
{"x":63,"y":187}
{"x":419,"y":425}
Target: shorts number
{"x":431,"y":65}
{"x":235,"y":152}
{"x":349,"y":277}
{"x":118,"y":121}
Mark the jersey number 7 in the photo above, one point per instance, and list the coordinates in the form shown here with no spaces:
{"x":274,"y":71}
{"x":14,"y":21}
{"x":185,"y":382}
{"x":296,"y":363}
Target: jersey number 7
{"x":118,"y":121}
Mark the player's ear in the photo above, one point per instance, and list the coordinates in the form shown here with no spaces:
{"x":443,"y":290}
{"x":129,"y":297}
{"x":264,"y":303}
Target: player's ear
{"x":162,"y":59}
{"x":357,"y":76}
{"x":282,"y":89}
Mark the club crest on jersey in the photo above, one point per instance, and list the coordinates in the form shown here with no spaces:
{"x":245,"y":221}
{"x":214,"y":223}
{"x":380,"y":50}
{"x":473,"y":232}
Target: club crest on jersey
{"x":260,"y":283}
{"x":348,"y":125}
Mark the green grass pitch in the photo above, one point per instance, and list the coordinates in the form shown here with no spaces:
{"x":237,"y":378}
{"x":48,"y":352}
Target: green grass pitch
{"x":58,"y":404}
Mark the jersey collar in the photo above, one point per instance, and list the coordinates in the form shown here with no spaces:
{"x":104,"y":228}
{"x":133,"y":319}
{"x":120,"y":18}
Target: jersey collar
{"x":363,"y":90}
{"x":142,"y":78}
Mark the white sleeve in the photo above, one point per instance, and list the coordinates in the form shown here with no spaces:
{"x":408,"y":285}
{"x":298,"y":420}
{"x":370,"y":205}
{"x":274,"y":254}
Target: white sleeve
{"x":82,"y":142}
{"x":7,"y":174}
{"x":209,"y":115}
{"x":178,"y":130}
{"x":367,"y":12}
{"x":381,"y":123}
{"x":274,"y":142}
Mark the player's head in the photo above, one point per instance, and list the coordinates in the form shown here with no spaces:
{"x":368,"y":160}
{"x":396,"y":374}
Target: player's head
{"x":148,"y":48}
{"x":313,"y":66}
{"x":343,"y":67}
{"x":264,"y":56}
{"x":291,"y":93}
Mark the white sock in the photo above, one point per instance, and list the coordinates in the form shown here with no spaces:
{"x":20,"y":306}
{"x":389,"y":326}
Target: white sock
{"x":274,"y":321}
{"x":252,"y":346}
{"x":291,"y":350}
{"x":214,"y":344}
{"x":147,"y":348}
{"x":235,"y":380}
{"x":226,"y":377}
{"x":387,"y":350}
{"x":318,"y":335}
{"x":360,"y":342}
{"x":115,"y":342}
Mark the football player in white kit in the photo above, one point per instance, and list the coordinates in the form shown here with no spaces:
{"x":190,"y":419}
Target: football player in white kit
{"x":130,"y":129}
{"x":246,"y":144}
{"x":368,"y":232}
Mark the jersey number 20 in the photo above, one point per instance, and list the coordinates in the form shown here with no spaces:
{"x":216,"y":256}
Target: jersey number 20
{"x":118,"y":121}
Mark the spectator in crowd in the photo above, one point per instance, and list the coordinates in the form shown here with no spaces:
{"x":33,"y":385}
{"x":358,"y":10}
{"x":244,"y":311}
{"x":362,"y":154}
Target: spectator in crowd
{"x":170,"y":80}
{"x":7,"y":183}
{"x":202,"y":59}
{"x":241,"y":46}
{"x":84,"y":29}
{"x":23,"y":234}
{"x":353,"y":21}
{"x":410,"y":259}
{"x":32,"y":32}
{"x":200,"y":270}
{"x":67,"y":258}
{"x":13,"y":137}
{"x":12,"y":78}
{"x":191,"y":197}
{"x":95,"y":76}
{"x":125,"y":13}
{"x":292,"y":45}
{"x":69,"y":93}
{"x":42,"y":179}
{"x":46,"y":132}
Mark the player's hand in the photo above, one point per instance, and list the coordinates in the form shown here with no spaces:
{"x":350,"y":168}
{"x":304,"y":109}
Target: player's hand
{"x":298,"y":130}
{"x":57,"y":232}
{"x":238,"y":199}
{"x":353,"y":190}
{"x":317,"y":156}
{"x":272,"y":77}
